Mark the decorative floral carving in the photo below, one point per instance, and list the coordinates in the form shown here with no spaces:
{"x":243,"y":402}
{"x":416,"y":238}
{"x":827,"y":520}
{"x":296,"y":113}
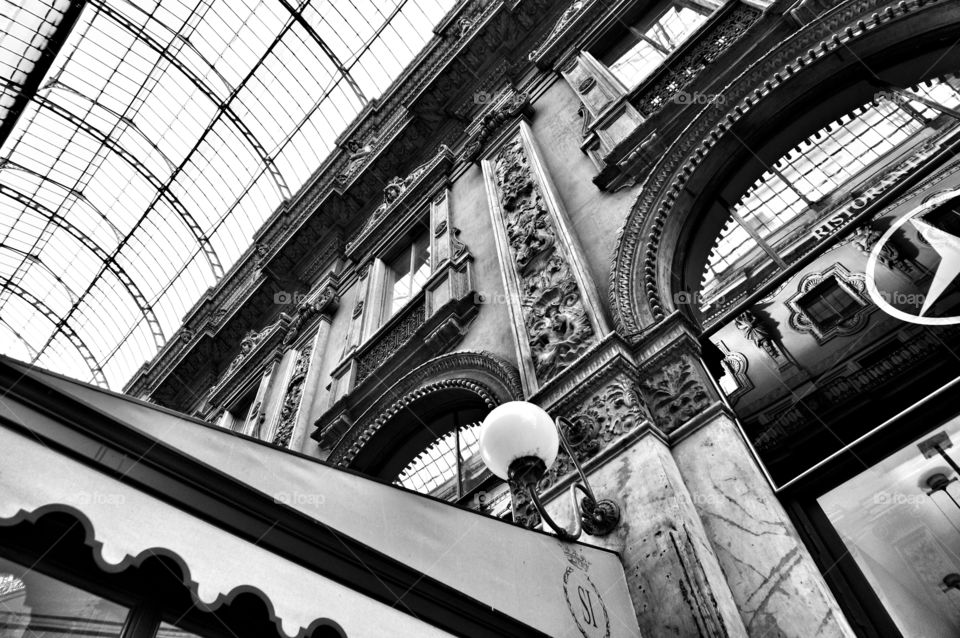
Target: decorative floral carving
{"x":558,"y":328}
{"x":291,"y":402}
{"x":557,"y":325}
{"x":674,"y":394}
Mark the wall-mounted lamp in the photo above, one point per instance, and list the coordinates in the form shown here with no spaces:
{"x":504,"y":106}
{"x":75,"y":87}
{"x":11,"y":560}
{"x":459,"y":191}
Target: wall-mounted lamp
{"x":950,"y":581}
{"x":519,"y":442}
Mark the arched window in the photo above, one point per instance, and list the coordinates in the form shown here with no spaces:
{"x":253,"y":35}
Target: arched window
{"x":450,"y":466}
{"x":795,"y":189}
{"x":440,"y":457}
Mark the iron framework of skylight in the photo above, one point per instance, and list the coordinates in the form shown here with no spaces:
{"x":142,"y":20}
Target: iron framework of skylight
{"x":160,"y":138}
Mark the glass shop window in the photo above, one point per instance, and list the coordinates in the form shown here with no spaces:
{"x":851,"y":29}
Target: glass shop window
{"x":406,"y":272}
{"x":829,"y":304}
{"x":33,"y":605}
{"x":653,"y":38}
{"x":900,"y":521}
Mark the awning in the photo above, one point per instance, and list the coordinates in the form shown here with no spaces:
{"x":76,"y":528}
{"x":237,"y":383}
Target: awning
{"x":315,"y":541}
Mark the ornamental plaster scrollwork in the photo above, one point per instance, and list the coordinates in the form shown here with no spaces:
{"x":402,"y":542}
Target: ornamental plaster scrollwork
{"x":854,"y":284}
{"x":638,"y":295}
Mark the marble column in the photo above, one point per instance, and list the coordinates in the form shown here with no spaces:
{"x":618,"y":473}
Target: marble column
{"x":674,"y":579}
{"x":777,"y":587}
{"x":775,"y":582}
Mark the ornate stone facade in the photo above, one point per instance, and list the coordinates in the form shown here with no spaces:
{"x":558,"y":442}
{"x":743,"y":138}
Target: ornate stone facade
{"x":291,"y":402}
{"x":604,"y":416}
{"x":675,"y":393}
{"x":554,"y":314}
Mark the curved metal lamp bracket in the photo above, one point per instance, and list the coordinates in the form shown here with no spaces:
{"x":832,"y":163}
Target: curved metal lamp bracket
{"x":596,"y":518}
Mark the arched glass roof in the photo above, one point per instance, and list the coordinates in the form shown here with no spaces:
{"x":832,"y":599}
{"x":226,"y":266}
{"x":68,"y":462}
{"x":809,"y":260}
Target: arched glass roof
{"x":143,"y":143}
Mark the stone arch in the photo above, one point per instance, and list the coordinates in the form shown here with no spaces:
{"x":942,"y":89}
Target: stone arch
{"x":479,"y":378}
{"x":823,"y":70}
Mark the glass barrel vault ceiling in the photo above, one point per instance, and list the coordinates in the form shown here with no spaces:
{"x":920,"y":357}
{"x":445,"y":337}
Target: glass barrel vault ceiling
{"x":159,"y":139}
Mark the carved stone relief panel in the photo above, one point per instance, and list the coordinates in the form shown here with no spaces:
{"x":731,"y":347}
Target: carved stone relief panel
{"x":554,"y":310}
{"x":675,"y":390}
{"x":291,"y":401}
{"x":606,"y":414}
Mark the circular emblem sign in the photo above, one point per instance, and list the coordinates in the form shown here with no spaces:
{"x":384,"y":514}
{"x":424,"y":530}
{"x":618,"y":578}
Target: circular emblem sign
{"x":946,"y":244}
{"x":585,"y":604}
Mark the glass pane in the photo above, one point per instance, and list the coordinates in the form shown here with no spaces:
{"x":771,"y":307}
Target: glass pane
{"x":905,"y":536}
{"x":656,"y":43}
{"x":399,"y":270}
{"x":172,"y":631}
{"x":421,"y":261}
{"x":33,"y":605}
{"x":472,"y":470}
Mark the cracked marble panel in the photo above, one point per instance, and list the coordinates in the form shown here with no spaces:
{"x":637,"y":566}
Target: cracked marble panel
{"x":766,"y":565}
{"x":673,"y":577}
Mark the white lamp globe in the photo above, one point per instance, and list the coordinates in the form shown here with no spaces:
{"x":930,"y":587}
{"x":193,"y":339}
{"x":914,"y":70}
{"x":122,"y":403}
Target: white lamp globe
{"x":517,"y":429}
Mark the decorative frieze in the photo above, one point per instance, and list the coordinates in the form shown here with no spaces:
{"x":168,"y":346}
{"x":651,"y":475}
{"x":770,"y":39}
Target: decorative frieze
{"x":556,"y":318}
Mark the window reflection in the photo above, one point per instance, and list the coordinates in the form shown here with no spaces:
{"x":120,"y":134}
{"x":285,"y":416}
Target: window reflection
{"x":408,"y":272}
{"x":33,"y":605}
{"x":655,"y":42}
{"x":168,"y":630}
{"x":905,"y":536}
